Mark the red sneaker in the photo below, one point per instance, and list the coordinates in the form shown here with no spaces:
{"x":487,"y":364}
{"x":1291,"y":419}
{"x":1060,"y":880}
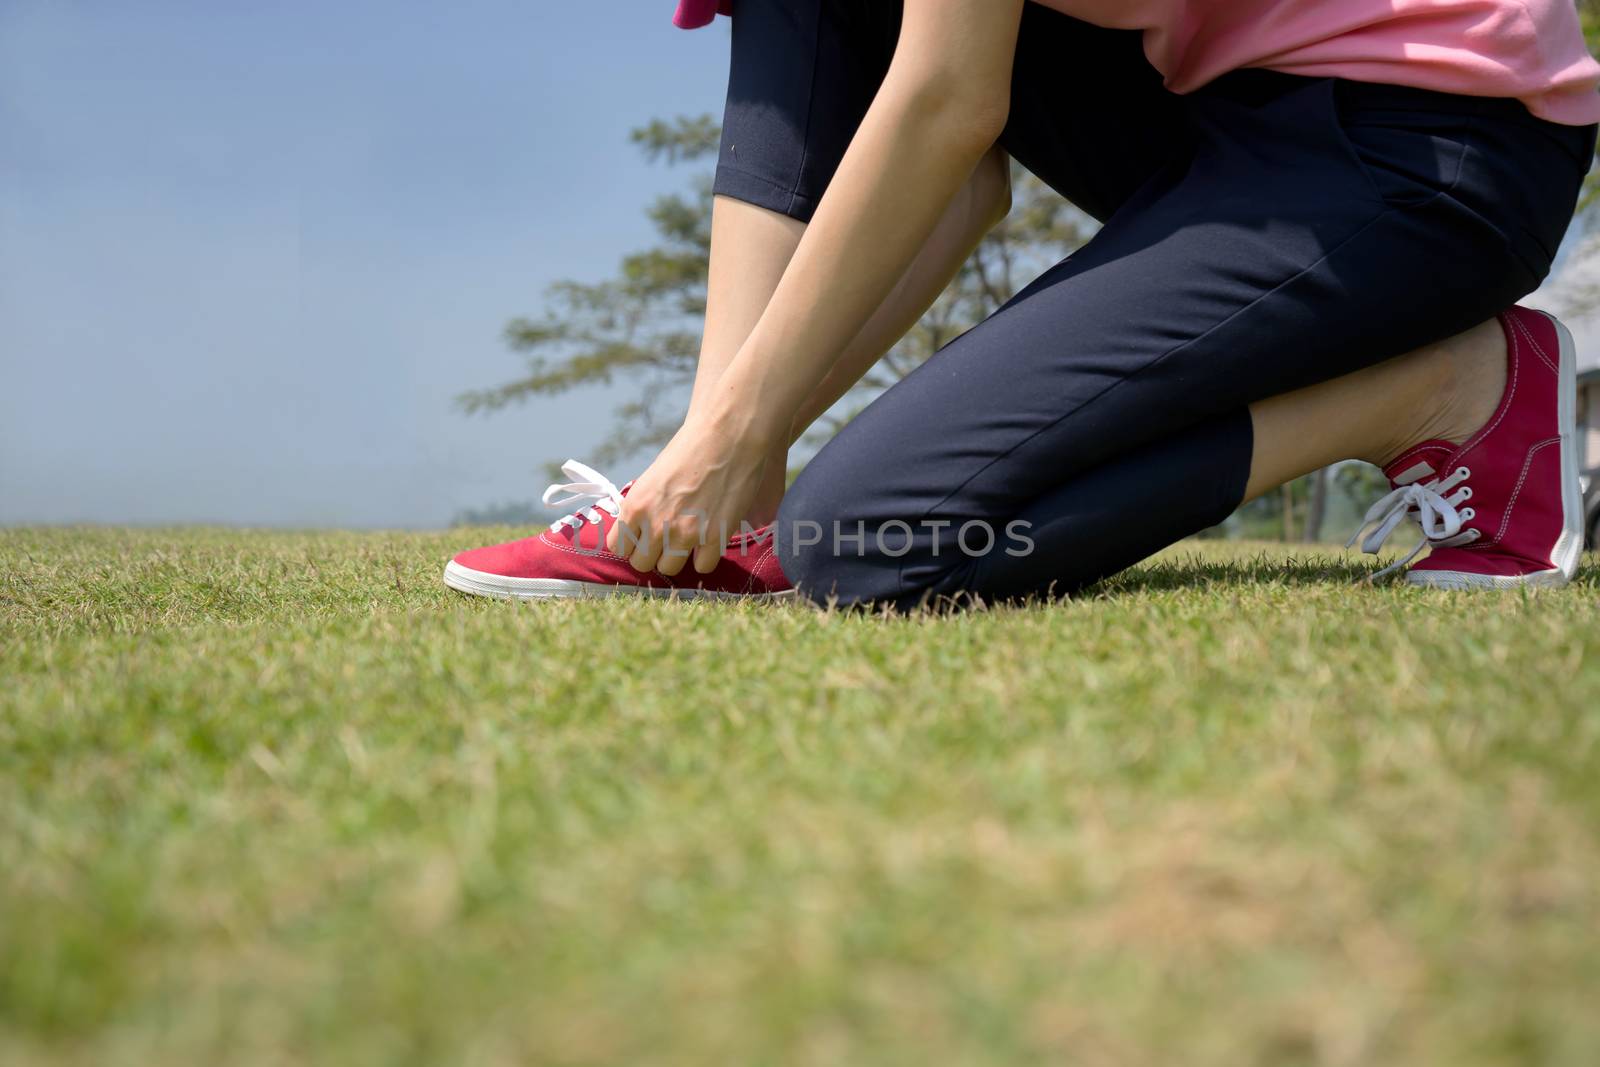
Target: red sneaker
{"x":570,"y":558}
{"x":1524,"y":526}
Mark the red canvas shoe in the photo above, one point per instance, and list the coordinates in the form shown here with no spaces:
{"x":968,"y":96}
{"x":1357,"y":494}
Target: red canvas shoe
{"x":570,"y":558}
{"x":1524,"y":525}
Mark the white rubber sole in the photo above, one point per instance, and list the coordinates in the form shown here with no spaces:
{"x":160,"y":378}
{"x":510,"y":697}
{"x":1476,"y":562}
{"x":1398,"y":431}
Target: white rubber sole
{"x":1552,"y":579}
{"x":482,"y":583}
{"x":1569,"y":545}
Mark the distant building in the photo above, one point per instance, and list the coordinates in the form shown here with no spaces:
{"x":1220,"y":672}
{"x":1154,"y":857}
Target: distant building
{"x":1589,"y":450}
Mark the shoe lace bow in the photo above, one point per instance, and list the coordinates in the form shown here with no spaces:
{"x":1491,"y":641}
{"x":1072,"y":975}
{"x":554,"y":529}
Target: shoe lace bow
{"x":1434,"y":505}
{"x":593,"y":491}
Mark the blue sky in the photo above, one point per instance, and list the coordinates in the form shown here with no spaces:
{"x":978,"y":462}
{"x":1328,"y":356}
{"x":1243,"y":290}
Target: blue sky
{"x":250,"y":252}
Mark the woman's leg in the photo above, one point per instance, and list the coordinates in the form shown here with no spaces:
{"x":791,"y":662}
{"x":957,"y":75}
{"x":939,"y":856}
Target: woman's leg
{"x":750,"y":247}
{"x":1440,"y":392}
{"x":1143,"y":500}
{"x":1106,"y":407}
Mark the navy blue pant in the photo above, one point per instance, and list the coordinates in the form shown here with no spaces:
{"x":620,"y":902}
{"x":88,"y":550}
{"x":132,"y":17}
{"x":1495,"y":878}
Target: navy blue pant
{"x":1263,"y":234}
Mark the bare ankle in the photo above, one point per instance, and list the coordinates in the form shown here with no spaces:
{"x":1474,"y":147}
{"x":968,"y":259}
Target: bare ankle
{"x":1453,"y":388}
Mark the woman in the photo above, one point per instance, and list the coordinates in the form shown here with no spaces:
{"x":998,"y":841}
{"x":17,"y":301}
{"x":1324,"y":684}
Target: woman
{"x":1317,"y":219}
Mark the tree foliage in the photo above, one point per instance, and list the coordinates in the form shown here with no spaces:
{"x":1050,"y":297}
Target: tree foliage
{"x":643,"y":324}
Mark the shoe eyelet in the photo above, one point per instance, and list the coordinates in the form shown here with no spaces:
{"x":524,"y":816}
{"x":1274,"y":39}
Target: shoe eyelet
{"x":1468,"y":513}
{"x":1475,"y":534}
{"x":1466,"y":493}
{"x":1463,"y":472}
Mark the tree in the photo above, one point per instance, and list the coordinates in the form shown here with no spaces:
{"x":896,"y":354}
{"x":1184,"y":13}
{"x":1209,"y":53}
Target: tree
{"x":644,"y":324}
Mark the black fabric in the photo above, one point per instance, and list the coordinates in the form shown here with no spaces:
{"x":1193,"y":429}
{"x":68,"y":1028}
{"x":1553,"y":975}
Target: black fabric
{"x":1265,"y":233}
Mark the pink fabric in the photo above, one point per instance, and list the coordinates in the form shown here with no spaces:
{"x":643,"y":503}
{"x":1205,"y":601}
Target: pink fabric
{"x":693,"y":14}
{"x":1531,"y":50}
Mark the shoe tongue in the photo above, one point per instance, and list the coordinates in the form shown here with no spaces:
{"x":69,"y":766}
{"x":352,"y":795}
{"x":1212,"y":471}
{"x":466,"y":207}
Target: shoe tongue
{"x":1419,"y":462}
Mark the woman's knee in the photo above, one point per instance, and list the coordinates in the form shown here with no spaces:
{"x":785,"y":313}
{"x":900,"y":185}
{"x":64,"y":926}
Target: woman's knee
{"x":809,"y":520}
{"x":834,"y":550}
{"x":837,"y":548}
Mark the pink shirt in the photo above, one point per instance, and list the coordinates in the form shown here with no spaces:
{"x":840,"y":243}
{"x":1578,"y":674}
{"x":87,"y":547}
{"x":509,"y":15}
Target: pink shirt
{"x":1531,"y":50}
{"x":693,"y":14}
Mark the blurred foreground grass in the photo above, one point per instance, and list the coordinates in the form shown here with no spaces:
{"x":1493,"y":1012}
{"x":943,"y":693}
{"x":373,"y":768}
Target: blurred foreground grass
{"x":272,"y":798}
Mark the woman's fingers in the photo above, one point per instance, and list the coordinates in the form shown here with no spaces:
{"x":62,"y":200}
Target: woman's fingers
{"x":622,"y":538}
{"x":707,"y":556}
{"x":675,"y":552}
{"x":665,"y":547}
{"x":633,"y":535}
{"x":653,"y":543}
{"x":687,"y":539}
{"x":646,"y":550}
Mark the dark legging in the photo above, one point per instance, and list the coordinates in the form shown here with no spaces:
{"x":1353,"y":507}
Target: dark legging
{"x":1263,"y":234}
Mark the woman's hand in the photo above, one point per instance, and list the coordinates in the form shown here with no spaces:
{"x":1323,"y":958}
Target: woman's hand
{"x":691,"y":499}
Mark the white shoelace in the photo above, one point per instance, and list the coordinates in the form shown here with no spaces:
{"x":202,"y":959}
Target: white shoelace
{"x":597,"y":493}
{"x":1425,"y":503}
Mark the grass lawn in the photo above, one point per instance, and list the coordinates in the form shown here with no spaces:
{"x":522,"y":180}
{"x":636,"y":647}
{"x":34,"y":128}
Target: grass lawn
{"x":277,"y":798}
